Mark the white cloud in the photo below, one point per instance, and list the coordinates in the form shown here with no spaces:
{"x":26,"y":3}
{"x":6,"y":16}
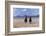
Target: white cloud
{"x":24,"y":10}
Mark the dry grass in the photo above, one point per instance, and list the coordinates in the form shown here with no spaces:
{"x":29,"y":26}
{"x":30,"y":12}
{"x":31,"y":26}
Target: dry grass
{"x":20,"y":22}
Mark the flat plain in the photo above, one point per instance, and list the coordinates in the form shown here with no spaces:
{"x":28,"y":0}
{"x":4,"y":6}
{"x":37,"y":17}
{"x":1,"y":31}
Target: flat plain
{"x":19,"y":22}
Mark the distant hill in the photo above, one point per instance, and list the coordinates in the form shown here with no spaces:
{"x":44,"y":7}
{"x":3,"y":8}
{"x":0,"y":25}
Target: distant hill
{"x":24,"y":16}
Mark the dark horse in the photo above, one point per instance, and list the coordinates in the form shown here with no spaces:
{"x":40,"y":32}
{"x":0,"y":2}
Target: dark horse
{"x":25,"y":20}
{"x":30,"y":20}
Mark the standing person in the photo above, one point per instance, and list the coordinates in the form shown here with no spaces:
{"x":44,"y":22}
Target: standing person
{"x":25,"y":20}
{"x":30,"y":20}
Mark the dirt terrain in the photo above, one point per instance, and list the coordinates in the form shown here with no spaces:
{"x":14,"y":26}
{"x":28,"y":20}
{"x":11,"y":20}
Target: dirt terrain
{"x":19,"y":22}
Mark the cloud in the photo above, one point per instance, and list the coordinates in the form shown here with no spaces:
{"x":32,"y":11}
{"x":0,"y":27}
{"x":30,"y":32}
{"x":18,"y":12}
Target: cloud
{"x":24,"y":10}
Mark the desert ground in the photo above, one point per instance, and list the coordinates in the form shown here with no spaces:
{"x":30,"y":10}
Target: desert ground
{"x":19,"y":22}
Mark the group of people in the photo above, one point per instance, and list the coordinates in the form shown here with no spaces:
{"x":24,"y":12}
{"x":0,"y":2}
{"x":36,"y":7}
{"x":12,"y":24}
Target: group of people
{"x":25,"y":20}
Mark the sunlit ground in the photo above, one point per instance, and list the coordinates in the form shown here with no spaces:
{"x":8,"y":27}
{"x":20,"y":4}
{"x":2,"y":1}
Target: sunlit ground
{"x":19,"y":22}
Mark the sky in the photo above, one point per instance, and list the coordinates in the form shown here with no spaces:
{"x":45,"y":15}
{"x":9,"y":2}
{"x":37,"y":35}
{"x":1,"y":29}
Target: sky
{"x":25,"y":11}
